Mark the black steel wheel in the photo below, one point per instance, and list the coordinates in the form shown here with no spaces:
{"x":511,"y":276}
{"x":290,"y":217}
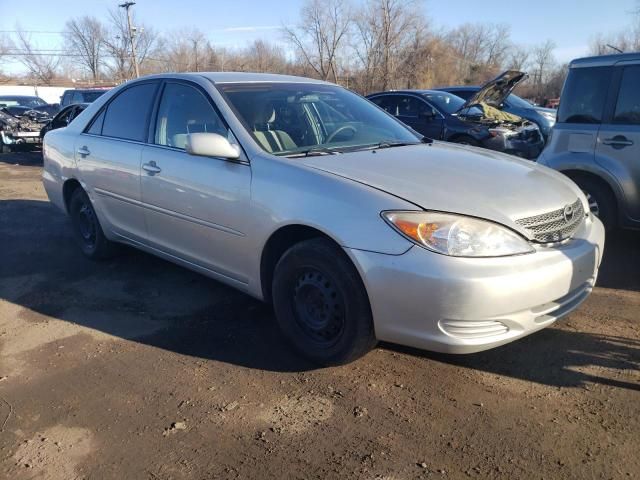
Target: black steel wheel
{"x":88,"y":231}
{"x":321,"y":304}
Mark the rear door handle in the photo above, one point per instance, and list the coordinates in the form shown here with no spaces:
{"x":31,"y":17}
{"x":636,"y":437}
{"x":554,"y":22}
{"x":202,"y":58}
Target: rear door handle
{"x":619,"y":141}
{"x":151,"y":168}
{"x":84,"y":151}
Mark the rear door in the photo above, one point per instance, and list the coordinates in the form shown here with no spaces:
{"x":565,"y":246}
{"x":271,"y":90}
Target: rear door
{"x":108,"y":156}
{"x":618,"y":145}
{"x":195,"y":207}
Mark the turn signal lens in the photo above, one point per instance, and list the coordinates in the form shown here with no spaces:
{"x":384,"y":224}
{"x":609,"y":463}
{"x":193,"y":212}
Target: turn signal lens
{"x":458,"y":235}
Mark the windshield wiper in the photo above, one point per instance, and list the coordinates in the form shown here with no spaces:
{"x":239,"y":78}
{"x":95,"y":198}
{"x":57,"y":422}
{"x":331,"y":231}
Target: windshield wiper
{"x":386,"y":144}
{"x":312,"y":152}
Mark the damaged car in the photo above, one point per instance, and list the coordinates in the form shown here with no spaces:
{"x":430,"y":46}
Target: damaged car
{"x":18,"y":131}
{"x":499,"y":94}
{"x":29,"y":105}
{"x":476,"y":122}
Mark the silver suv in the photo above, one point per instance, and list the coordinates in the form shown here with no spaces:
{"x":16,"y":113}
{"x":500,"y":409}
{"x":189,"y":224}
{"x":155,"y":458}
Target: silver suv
{"x":596,"y":141}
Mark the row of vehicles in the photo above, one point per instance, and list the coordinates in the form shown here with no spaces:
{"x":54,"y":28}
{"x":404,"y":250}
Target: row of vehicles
{"x":24,"y":119}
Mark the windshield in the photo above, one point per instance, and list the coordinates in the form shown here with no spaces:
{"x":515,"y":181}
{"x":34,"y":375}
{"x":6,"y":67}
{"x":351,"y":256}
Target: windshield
{"x":516,"y":101}
{"x":22,"y":101}
{"x":89,"y":97}
{"x":449,"y":103}
{"x":291,"y":118}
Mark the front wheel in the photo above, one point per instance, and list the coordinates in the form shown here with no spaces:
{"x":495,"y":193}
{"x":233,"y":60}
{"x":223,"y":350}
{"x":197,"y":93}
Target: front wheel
{"x":602,"y":203}
{"x":87,"y":229}
{"x":321,"y":304}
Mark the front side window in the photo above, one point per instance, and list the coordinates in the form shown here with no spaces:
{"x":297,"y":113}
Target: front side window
{"x":126,"y":116}
{"x":184,"y":110}
{"x":628,"y":104}
{"x":287,"y":119}
{"x":584,"y":95}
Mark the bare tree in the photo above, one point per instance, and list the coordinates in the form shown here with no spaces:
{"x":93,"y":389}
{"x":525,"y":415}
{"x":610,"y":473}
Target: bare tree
{"x":42,"y":66}
{"x":542,"y":62}
{"x":384,"y":30}
{"x":322,"y":32}
{"x":262,"y":56}
{"x":518,"y":58}
{"x":85,"y":38}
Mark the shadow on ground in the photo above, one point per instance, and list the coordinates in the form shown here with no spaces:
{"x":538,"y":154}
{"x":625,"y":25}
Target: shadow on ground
{"x":23,"y":156}
{"x":42,"y":270}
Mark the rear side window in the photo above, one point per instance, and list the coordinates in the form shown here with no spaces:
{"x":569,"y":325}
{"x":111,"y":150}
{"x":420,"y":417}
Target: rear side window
{"x":126,"y":116}
{"x":584,"y":95}
{"x":628,"y":104}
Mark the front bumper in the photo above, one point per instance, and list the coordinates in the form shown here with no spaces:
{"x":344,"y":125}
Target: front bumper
{"x":464,"y":305}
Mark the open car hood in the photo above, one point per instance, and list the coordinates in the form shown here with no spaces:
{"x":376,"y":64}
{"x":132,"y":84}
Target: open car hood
{"x":497,"y":90}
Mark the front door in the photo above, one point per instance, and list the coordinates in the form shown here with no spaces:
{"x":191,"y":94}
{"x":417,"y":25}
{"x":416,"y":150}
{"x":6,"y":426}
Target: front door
{"x":195,"y":207}
{"x":618,"y":144}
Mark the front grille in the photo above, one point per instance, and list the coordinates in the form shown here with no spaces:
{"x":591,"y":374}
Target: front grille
{"x":554,"y":226}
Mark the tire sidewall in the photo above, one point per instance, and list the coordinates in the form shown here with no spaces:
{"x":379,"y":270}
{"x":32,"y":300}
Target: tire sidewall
{"x":100,"y":248}
{"x":357,"y":335}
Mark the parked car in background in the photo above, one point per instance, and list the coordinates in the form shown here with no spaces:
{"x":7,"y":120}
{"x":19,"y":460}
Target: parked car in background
{"x":17,"y":131}
{"x":498,"y":94}
{"x":77,"y":95}
{"x":444,"y":116}
{"x":63,"y":118}
{"x":596,"y":141}
{"x":304,"y":194}
{"x":28,"y":105}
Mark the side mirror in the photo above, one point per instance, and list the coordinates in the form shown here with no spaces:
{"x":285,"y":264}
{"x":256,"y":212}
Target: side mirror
{"x":211,"y":145}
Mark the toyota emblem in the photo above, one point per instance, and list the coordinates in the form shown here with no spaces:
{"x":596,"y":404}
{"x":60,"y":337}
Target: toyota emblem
{"x":568,"y":213}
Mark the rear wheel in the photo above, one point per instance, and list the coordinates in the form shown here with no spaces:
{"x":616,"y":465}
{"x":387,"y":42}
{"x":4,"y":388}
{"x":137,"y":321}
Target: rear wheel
{"x":88,"y":231}
{"x":321,"y":304}
{"x":602,"y":203}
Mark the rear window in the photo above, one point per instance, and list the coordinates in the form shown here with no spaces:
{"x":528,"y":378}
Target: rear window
{"x":89,"y":97}
{"x":584,"y":95}
{"x":127,"y":114}
{"x":628,"y":104}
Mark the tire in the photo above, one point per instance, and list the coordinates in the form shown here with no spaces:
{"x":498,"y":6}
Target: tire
{"x":321,"y":304}
{"x":87,"y":229}
{"x":602,"y":203}
{"x":466,"y":141}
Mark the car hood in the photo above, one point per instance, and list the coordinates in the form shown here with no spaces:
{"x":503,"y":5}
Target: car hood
{"x":497,"y":90}
{"x":457,"y":179}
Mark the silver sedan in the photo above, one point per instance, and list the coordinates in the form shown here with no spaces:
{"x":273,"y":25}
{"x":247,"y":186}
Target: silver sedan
{"x":303,"y":194}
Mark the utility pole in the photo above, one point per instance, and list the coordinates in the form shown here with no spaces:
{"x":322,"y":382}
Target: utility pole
{"x":127,"y":6}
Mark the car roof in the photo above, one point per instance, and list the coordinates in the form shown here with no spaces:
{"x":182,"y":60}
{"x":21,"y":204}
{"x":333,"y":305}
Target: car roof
{"x":415,"y":92}
{"x":605,"y":60}
{"x":240,"y":77}
{"x":19,"y":96}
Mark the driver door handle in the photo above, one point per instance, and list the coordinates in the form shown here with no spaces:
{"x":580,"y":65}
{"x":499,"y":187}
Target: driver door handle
{"x":151,"y":168}
{"x":84,"y":151}
{"x":618,"y":141}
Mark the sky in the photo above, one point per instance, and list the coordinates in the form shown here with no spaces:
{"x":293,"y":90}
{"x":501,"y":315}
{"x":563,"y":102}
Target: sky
{"x":571,"y":24}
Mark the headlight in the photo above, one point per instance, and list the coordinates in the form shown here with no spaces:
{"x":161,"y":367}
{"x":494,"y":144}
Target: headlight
{"x":458,"y":235}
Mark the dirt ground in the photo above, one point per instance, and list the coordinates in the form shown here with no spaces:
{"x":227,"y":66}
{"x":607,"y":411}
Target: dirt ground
{"x":138,"y":369}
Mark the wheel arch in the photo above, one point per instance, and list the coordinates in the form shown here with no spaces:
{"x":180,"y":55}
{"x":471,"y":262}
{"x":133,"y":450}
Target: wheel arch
{"x":278,"y":243}
{"x":70,"y":185}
